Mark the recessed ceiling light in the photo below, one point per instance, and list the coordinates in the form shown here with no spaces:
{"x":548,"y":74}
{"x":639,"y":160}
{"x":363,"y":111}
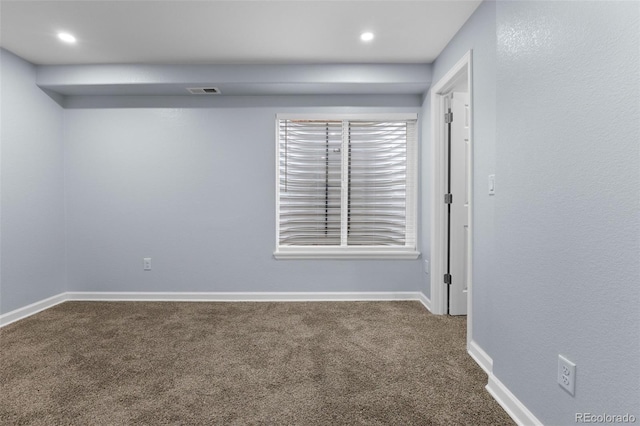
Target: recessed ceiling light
{"x":366,"y":36}
{"x":66,"y":37}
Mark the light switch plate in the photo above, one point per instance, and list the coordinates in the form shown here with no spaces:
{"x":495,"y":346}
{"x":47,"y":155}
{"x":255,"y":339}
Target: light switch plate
{"x":492,"y":184}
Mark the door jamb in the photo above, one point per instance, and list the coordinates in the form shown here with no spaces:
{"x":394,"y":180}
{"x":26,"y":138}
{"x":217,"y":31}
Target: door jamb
{"x":438,"y":185}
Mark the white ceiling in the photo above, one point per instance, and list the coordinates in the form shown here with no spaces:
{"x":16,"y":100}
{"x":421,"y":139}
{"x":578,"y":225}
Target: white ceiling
{"x":226,"y":32}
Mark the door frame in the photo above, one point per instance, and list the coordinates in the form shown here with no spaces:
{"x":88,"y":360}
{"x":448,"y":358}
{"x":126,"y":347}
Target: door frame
{"x":438,"y":187}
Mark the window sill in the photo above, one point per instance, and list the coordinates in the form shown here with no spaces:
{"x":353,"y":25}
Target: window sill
{"x":344,"y":254}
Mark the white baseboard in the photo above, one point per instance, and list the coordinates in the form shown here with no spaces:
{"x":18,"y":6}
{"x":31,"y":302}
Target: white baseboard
{"x":512,"y":405}
{"x":425,"y":301}
{"x":34,"y":308}
{"x":480,"y":357}
{"x":241,"y":296}
{"x":103,"y":296}
{"x":518,"y":412}
{"x":508,"y":401}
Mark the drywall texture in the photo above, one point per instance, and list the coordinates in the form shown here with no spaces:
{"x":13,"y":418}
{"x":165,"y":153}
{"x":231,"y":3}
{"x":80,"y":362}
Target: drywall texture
{"x":424,"y":222}
{"x":478,"y":34}
{"x":32,"y":187}
{"x":567,"y":213}
{"x":194,"y":189}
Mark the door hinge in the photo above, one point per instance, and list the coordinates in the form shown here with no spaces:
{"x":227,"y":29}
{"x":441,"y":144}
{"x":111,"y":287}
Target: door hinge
{"x":447,"y":278}
{"x":448,"y":117}
{"x":448,"y":198}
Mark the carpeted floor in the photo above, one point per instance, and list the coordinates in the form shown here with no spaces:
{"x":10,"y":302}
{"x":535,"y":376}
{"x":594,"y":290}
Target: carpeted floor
{"x":122,"y":363}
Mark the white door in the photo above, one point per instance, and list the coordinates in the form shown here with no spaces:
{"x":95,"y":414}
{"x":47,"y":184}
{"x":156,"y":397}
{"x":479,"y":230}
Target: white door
{"x":459,"y":213}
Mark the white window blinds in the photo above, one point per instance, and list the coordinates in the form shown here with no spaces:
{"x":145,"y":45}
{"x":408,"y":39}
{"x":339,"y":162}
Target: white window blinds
{"x":310,"y":182}
{"x":347,"y":183}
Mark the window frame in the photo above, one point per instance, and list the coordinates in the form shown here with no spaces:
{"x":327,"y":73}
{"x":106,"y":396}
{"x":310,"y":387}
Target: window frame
{"x":406,"y":252}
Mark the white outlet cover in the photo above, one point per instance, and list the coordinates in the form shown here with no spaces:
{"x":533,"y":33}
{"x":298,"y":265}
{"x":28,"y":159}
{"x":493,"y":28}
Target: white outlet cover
{"x":567,"y":374}
{"x":425,"y":265}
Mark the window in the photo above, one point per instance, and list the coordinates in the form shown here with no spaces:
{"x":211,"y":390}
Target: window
{"x":346,"y":187}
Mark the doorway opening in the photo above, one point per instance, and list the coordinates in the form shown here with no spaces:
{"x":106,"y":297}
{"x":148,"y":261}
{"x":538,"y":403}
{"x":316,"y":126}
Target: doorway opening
{"x":451,"y":192}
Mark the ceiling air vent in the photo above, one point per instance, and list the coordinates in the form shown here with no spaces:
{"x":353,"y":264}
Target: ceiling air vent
{"x":204,"y":90}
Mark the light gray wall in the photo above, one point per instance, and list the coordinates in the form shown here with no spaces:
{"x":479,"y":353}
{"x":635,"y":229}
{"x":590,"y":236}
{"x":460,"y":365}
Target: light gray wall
{"x":32,"y":187}
{"x":477,"y":34}
{"x":424,"y":224}
{"x":567,"y":212}
{"x":194,"y":189}
{"x":557,"y":250}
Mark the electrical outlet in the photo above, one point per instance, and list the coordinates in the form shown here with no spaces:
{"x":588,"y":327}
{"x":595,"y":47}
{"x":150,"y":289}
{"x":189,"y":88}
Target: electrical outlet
{"x":425,"y":265}
{"x":147,"y":263}
{"x":567,"y":374}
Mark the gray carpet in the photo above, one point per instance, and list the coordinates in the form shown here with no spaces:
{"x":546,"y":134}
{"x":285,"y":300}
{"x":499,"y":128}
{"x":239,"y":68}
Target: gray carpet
{"x":121,"y":363}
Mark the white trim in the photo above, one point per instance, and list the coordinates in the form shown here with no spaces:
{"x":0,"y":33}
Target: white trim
{"x":345,"y":253}
{"x":480,"y":357}
{"x":126,"y":296}
{"x":516,"y":409}
{"x":351,"y":117}
{"x":507,"y":400}
{"x":426,"y":302}
{"x":277,"y":156}
{"x":407,"y":252}
{"x":438,"y":303}
{"x":471,"y":204}
{"x":242,"y":296}
{"x":512,"y":405}
{"x":438,"y":289}
{"x":34,"y":308}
